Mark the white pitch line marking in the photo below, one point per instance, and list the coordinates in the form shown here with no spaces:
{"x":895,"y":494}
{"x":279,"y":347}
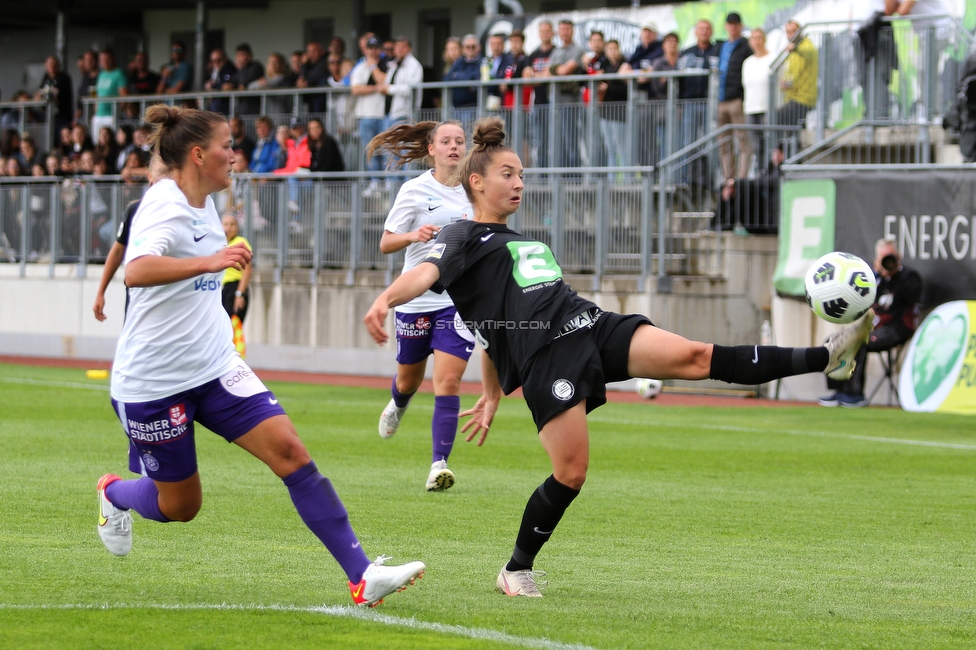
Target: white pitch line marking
{"x":338,"y":611}
{"x":791,"y":432}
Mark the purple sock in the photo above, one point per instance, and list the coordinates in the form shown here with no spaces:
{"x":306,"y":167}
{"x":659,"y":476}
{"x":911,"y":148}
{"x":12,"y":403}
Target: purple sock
{"x":322,"y":511}
{"x":399,"y":398}
{"x":138,"y":494}
{"x":443,"y":428}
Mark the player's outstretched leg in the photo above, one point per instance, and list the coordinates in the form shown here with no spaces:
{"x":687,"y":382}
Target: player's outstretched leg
{"x":391,"y":415}
{"x":115,"y":499}
{"x":380,"y":580}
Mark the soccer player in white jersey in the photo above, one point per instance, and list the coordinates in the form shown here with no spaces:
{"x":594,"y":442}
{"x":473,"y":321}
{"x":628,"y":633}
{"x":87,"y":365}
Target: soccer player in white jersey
{"x":428,"y":324}
{"x":176,"y":364}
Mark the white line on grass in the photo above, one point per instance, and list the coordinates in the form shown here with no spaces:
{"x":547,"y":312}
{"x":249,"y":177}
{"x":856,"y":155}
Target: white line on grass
{"x":793,"y":432}
{"x":334,"y":610}
{"x":59,"y":384}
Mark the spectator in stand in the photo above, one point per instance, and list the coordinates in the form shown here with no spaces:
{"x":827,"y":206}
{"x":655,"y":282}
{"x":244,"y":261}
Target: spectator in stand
{"x":140,"y":138}
{"x":177,"y":76}
{"x":106,"y":149}
{"x":266,"y":148}
{"x":222,"y":73}
{"x":566,"y":60}
{"x":613,"y":125}
{"x":649,"y":50}
{"x":799,"y":79}
{"x":538,"y":67}
{"x":367,"y":78}
{"x":756,"y":71}
{"x":732,"y":53}
{"x":56,"y":88}
{"x":68,"y":167}
{"x":240,"y":139}
{"x":29,"y":153}
{"x":80,"y":142}
{"x":693,"y":91}
{"x":896,"y":316}
{"x":142,"y":80}
{"x":403,"y":74}
{"x":315,"y":72}
{"x":283,"y":139}
{"x":296,"y":61}
{"x":594,"y":62}
{"x":10,"y":143}
{"x":52,"y":165}
{"x":389,"y":50}
{"x":123,"y":145}
{"x":248,"y":71}
{"x":499,"y":63}
{"x":337,"y":48}
{"x":323,"y":148}
{"x":452,"y":52}
{"x":134,"y":170}
{"x":86,"y":163}
{"x":88,"y":86}
{"x":276,"y":75}
{"x":297,"y":161}
{"x":520,"y":61}
{"x":65,"y":143}
{"x":667,"y":62}
{"x":466,"y":68}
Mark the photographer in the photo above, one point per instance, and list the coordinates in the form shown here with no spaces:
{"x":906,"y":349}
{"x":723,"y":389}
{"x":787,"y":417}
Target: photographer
{"x":896,"y":315}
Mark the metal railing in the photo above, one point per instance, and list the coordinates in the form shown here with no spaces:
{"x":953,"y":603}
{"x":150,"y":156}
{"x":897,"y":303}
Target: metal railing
{"x":570,"y":134}
{"x":597,"y":221}
{"x":34,"y":117}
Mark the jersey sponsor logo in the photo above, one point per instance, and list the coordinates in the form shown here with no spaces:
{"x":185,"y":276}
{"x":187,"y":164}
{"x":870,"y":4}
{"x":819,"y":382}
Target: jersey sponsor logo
{"x":242,"y":382}
{"x":156,"y":431}
{"x":195,"y":238}
{"x":203,"y":284}
{"x":534,"y":263}
{"x":150,"y":462}
{"x":198,"y":222}
{"x":177,"y":414}
{"x":436,"y":252}
{"x":563,"y":390}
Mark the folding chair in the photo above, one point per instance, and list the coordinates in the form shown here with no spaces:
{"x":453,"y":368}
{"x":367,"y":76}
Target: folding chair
{"x":891,"y":362}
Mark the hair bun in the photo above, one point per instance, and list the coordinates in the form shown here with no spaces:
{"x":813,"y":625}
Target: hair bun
{"x":488,"y":132}
{"x":162,"y":115}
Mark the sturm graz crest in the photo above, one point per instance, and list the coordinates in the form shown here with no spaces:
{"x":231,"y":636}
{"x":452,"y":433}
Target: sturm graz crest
{"x":825,"y":273}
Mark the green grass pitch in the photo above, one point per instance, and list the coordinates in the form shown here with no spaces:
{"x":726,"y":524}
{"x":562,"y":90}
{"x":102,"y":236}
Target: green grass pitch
{"x":698,"y":528}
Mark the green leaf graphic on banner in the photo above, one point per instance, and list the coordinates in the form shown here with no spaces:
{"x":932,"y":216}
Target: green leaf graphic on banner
{"x":936,"y":350}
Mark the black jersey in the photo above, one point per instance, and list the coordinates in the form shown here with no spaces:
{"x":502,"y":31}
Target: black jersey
{"x":508,"y":288}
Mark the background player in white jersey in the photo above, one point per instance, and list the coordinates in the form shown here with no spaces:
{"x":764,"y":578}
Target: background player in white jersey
{"x":429,"y":323}
{"x":176,"y":363}
{"x":570,"y":348}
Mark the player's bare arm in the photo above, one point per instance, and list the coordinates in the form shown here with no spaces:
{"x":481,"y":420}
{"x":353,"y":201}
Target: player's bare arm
{"x":407,"y":287}
{"x":154,"y":270}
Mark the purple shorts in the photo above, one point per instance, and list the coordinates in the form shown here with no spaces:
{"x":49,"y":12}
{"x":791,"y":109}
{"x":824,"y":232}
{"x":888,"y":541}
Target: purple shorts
{"x":420,"y":334}
{"x":161,"y":431}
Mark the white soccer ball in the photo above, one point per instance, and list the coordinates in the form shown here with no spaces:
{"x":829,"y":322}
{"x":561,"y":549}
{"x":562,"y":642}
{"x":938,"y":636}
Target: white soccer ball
{"x":840,"y":287}
{"x":648,"y":388}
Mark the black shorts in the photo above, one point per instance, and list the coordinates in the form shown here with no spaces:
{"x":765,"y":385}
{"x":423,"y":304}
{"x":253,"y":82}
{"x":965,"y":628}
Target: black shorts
{"x":227,"y":299}
{"x":578,"y":366}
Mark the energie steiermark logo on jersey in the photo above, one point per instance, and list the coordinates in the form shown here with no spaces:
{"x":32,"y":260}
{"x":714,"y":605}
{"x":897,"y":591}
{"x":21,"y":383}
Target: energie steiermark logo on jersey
{"x":806,"y":230}
{"x":534,"y":263}
{"x":938,"y":372}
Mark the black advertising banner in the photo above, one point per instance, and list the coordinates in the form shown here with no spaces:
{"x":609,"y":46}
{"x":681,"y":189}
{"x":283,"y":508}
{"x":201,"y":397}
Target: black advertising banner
{"x":930,"y":212}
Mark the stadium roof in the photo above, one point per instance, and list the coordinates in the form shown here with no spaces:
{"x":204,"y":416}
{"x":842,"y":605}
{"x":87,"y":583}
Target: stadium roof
{"x":41,"y":13}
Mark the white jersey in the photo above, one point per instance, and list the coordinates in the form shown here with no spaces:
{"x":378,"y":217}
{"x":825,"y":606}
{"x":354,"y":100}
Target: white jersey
{"x":176,"y":336}
{"x":424,"y":200}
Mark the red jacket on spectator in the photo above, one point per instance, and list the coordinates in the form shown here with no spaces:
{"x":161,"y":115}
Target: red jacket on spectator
{"x":298,"y":156}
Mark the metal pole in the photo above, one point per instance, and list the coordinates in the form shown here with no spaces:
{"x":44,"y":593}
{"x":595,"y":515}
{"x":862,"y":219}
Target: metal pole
{"x":200,"y":56}
{"x":60,"y":41}
{"x":55,"y":226}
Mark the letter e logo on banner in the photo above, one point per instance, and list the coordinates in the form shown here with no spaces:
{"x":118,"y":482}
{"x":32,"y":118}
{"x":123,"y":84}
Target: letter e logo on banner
{"x":806,"y":230}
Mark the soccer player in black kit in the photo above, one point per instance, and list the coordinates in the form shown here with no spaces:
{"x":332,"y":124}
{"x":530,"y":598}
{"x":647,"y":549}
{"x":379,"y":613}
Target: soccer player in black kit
{"x":537,"y":333}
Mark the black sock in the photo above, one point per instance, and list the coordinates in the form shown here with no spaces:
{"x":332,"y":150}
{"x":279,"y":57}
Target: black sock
{"x":543,"y":511}
{"x":757,"y":364}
